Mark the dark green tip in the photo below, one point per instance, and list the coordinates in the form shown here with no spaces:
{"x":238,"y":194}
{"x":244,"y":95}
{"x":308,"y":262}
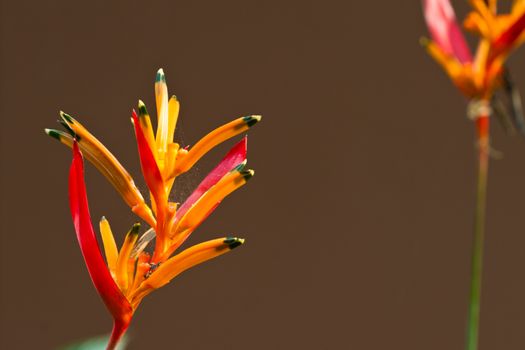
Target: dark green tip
{"x":247,"y":174}
{"x":69,"y":130}
{"x":142,"y":109}
{"x":135,"y":229}
{"x":160,"y":76}
{"x":251,"y":120}
{"x":53,"y":133}
{"x":67,"y":117}
{"x":239,"y":167}
{"x":233,"y":242}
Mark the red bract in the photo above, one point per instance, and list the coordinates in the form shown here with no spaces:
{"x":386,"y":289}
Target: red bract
{"x":108,"y":290}
{"x":508,"y":38}
{"x":148,"y":163}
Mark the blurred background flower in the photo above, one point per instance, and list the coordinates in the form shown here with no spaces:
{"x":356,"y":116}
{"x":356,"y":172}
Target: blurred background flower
{"x":478,"y":78}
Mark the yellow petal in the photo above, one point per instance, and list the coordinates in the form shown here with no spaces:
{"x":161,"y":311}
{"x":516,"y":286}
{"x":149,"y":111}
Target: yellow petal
{"x":147,"y":129}
{"x":476,"y":24}
{"x":171,"y":157}
{"x":518,"y":6}
{"x":110,"y":247}
{"x":124,"y":256}
{"x":480,"y":62}
{"x":173,"y":115}
{"x":460,"y":74}
{"x":493,"y":6}
{"x":161,"y":98}
{"x":481,"y":7}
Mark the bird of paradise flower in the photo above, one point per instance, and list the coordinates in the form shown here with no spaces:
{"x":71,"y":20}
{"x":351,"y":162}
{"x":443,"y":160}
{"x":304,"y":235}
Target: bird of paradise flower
{"x":478,"y":77}
{"x":130,"y":273}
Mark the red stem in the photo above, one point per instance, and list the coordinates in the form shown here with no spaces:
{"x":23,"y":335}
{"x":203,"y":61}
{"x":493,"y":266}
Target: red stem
{"x":119,"y":328}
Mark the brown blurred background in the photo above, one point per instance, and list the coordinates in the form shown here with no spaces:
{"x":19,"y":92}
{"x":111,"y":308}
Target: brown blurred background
{"x":358,"y":221}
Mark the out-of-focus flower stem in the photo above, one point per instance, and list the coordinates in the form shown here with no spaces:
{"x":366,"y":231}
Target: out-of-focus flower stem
{"x":482,"y":123}
{"x":119,"y":328}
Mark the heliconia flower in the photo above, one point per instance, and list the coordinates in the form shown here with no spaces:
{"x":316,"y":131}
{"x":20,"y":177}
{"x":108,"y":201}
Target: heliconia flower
{"x":480,"y":76}
{"x":129,"y":273}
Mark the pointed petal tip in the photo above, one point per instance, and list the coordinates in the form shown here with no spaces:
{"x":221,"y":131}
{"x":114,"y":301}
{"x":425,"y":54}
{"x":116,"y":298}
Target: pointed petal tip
{"x":240,"y":167}
{"x":233,"y":242}
{"x":142,"y":109}
{"x":160,"y":76}
{"x":135,"y":229}
{"x":53,"y":133}
{"x":247,"y":174}
{"x":66,"y":117}
{"x":251,"y":120}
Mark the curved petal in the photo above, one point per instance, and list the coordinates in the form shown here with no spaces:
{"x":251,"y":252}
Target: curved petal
{"x":211,"y":140}
{"x":161,"y":98}
{"x":444,"y":29}
{"x":205,"y":206}
{"x":149,"y":166}
{"x":511,"y":36}
{"x":181,"y":262}
{"x":115,"y":301}
{"x":103,"y":160}
{"x":236,"y":156}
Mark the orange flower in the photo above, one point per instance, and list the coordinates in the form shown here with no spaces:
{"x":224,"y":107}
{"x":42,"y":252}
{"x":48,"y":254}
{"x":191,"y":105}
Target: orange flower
{"x":499,"y":35}
{"x":130,"y":273}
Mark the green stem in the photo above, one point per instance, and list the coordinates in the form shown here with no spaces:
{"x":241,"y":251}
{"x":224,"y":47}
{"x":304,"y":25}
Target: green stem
{"x":478,"y":242}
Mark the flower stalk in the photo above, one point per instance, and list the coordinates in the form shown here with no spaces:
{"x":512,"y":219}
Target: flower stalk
{"x":119,"y":328}
{"x":473,"y":320}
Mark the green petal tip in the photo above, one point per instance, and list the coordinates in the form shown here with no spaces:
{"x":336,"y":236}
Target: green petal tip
{"x":251,"y":120}
{"x":233,"y":242}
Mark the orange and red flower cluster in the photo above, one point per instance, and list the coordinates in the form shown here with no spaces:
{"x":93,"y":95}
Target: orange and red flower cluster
{"x":477,"y":76}
{"x":130,"y":273}
{"x":480,"y":76}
